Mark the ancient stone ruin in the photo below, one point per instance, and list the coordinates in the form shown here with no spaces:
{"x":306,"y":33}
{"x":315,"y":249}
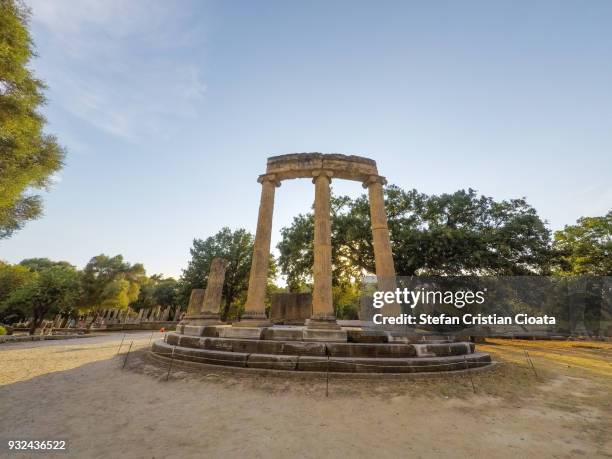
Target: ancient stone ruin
{"x":204,"y":305}
{"x":291,"y":308}
{"x":322,"y":344}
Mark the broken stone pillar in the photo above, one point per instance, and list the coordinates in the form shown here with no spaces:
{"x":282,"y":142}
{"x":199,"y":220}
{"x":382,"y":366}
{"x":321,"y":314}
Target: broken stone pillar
{"x":214,"y":290}
{"x":322,"y":302}
{"x":196,"y":301}
{"x":255,"y":309}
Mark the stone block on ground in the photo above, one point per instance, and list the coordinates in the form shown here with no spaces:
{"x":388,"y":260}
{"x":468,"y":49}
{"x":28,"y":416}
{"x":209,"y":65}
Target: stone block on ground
{"x":284,"y":334}
{"x":193,"y":330}
{"x":218,"y":344}
{"x":302,"y":348}
{"x":214,"y":330}
{"x":258,"y":346}
{"x":241,"y":332}
{"x":330,"y":336}
{"x":189,"y":341}
{"x":231,"y":359}
{"x":366,"y":336}
{"x":272,"y":362}
{"x":371,"y":350}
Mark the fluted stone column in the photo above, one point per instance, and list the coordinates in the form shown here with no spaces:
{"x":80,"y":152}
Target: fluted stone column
{"x":255,"y":309}
{"x":322,"y":303}
{"x":383,"y":257}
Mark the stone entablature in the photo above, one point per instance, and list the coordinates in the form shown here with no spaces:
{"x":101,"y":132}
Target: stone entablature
{"x":302,"y":165}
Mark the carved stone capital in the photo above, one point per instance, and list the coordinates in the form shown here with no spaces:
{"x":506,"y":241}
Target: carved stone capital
{"x":269,"y":178}
{"x":374,"y":179}
{"x":321,"y":173}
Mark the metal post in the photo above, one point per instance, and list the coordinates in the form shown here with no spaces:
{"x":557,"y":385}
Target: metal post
{"x":469,"y":373}
{"x":327,"y":378}
{"x":170,"y":365}
{"x":119,"y":350}
{"x":126,"y":355}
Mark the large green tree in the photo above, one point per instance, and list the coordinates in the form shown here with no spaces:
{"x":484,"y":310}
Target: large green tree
{"x":586,"y":247}
{"x":28,"y":156}
{"x":157,"y":291}
{"x":52,"y":290}
{"x":110,"y":282}
{"x":236,"y":247}
{"x":167,"y":293}
{"x":12,"y":277}
{"x":450,"y":234}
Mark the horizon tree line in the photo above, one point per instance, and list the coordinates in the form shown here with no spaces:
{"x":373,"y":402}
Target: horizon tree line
{"x":462,"y":233}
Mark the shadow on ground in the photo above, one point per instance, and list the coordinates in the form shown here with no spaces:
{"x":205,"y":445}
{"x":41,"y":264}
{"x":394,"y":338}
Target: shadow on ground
{"x":104,"y":411}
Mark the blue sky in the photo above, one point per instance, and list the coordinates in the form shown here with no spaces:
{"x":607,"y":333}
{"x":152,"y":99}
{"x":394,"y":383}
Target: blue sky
{"x":169,"y":110}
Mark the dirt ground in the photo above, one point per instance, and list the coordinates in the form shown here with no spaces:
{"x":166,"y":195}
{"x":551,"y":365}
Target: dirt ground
{"x":76,"y":390}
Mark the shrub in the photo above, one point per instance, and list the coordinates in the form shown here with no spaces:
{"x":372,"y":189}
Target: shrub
{"x":2,"y":330}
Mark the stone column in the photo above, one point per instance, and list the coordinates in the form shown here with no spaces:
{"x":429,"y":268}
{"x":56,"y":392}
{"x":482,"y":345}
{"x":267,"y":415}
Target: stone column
{"x":214,"y":290}
{"x":322,"y":302}
{"x":255,"y":309}
{"x":383,"y":257}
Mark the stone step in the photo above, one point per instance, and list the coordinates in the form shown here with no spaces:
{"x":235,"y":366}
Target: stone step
{"x":322,"y":363}
{"x":399,"y":350}
{"x":379,"y":350}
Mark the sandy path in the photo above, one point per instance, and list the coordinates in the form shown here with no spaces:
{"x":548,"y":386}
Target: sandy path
{"x":76,"y":390}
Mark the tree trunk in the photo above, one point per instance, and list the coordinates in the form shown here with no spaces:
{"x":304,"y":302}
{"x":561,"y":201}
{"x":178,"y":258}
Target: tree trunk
{"x":36,"y":321}
{"x":93,"y":321}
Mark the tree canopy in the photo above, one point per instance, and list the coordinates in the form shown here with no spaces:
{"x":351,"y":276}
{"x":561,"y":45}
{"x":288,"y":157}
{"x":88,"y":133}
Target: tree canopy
{"x":105,"y":283}
{"x":586,"y":247}
{"x":158,"y":291}
{"x":448,"y":234}
{"x":109,"y":282}
{"x":28,"y":156}
{"x":51,"y":290}
{"x":11,"y":278}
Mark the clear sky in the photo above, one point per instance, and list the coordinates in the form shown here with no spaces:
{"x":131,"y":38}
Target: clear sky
{"x":169,"y":110}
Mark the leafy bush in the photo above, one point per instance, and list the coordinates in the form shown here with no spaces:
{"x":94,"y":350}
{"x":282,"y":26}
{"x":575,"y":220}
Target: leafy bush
{"x":2,"y":330}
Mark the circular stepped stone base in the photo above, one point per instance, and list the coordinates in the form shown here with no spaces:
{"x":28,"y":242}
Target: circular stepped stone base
{"x":306,"y":356}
